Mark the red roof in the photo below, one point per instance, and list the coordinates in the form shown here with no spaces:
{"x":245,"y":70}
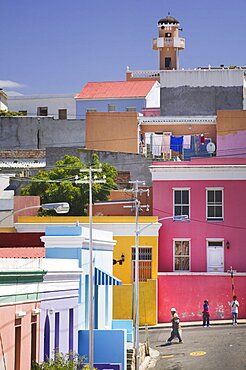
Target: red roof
{"x":118,"y":89}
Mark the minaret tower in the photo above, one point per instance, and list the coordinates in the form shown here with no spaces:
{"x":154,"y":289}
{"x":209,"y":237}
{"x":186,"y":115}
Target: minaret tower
{"x":169,"y":43}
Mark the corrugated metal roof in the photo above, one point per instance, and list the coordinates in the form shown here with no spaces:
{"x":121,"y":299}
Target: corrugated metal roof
{"x":116,"y":89}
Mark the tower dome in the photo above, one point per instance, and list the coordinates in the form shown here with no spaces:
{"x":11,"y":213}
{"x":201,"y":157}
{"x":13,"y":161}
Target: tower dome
{"x":168,"y":20}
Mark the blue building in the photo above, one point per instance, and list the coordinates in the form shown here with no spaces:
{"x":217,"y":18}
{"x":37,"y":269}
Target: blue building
{"x":72,"y":242}
{"x":117,"y":96}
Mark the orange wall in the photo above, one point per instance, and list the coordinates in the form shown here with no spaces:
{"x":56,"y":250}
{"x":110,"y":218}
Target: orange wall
{"x":230,"y":121}
{"x":112,"y":131}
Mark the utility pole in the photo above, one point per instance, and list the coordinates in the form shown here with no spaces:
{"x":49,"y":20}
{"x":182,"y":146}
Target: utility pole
{"x":91,"y":180}
{"x":138,"y":207}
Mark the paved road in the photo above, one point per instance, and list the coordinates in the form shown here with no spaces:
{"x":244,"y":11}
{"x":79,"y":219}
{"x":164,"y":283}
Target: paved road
{"x":215,"y":348}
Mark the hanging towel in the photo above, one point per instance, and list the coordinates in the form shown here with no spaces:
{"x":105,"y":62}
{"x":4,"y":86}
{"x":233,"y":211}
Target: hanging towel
{"x":176,"y":143}
{"x":187,"y":142}
{"x":165,"y":146}
{"x":202,"y":138}
{"x":156,"y":144}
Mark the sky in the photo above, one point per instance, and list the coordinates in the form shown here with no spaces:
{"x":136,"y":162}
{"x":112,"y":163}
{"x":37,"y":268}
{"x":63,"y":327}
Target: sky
{"x":57,"y":46}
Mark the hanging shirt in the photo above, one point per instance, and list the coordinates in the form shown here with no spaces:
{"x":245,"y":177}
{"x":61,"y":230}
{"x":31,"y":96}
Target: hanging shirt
{"x":176,"y":143}
{"x":156,"y":144}
{"x":187,"y":142}
{"x":165,"y":143}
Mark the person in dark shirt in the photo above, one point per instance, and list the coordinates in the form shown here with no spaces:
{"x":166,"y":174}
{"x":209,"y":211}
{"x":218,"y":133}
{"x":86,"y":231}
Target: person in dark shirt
{"x":205,"y":314}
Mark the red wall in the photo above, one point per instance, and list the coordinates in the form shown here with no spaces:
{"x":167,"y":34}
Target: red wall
{"x":187,"y":292}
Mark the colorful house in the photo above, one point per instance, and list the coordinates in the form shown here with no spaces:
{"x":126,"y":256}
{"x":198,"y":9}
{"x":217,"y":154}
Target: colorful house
{"x":68,"y":242}
{"x":37,"y":299}
{"x":117,"y":96}
{"x":123,"y":229}
{"x":195,"y":256}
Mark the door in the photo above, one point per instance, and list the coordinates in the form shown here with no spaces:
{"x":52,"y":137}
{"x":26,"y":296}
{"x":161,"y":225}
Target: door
{"x":215,"y":256}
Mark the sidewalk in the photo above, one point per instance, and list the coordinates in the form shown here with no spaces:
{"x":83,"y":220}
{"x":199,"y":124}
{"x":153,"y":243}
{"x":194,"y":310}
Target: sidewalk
{"x":193,"y":323}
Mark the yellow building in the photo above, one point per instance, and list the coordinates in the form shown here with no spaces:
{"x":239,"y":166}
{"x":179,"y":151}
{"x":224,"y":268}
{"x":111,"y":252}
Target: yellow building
{"x":124,"y":230}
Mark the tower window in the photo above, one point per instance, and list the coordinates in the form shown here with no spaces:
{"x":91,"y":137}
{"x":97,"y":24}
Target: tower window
{"x":168,"y":63}
{"x":168,"y":34}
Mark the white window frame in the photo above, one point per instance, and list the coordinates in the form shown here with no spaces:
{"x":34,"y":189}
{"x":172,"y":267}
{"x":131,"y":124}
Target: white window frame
{"x":182,"y":240}
{"x":181,"y":189}
{"x":214,"y":218}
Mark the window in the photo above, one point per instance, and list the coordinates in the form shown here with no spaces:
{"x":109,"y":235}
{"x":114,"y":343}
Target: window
{"x":130,"y":109}
{"x":215,"y":205}
{"x":42,"y":111}
{"x":33,"y":338}
{"x":91,"y":110}
{"x":71,"y":328}
{"x":62,"y":113}
{"x":181,"y":202}
{"x":17,"y":344}
{"x":168,"y":63}
{"x":57,"y":331}
{"x":111,"y":108}
{"x":182,"y":255}
{"x":145,"y":263}
{"x":168,"y":34}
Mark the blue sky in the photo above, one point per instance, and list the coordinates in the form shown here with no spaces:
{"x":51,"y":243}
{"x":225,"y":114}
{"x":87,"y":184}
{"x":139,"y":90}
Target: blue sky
{"x":57,"y":46}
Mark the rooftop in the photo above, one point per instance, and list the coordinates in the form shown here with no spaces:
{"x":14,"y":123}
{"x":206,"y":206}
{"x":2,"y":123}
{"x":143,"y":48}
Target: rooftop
{"x":116,"y":89}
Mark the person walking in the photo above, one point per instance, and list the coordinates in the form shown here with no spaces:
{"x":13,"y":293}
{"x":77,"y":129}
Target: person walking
{"x":176,"y":328}
{"x":205,"y":314}
{"x":234,"y":310}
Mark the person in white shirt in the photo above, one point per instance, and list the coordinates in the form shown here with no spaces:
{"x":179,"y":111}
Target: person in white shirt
{"x":234,"y":310}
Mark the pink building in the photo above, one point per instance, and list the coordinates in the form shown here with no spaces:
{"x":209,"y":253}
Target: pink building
{"x":195,"y":256}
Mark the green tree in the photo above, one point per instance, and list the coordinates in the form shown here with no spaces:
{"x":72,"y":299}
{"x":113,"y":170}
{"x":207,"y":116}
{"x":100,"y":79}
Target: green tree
{"x":58,"y":184}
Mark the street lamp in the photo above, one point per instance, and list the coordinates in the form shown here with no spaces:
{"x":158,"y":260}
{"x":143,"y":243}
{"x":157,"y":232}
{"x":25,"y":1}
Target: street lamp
{"x":62,"y":207}
{"x":90,"y":180}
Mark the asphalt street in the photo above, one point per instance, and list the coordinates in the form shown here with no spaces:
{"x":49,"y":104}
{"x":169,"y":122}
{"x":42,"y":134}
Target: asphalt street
{"x":214,"y":348}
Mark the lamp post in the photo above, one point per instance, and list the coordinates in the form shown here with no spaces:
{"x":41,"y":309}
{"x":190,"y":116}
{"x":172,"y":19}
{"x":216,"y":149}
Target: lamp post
{"x":138,"y":232}
{"x":62,"y":207}
{"x":90,"y":181}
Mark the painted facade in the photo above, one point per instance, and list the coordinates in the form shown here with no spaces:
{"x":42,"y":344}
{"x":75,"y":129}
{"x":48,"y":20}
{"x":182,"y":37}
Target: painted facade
{"x":211,"y":193}
{"x":112,"y":131}
{"x":117,"y":96}
{"x":55,"y":105}
{"x":38,"y":297}
{"x":19,"y":319}
{"x":231,"y":133}
{"x":123,"y":229}
{"x":73,"y":242}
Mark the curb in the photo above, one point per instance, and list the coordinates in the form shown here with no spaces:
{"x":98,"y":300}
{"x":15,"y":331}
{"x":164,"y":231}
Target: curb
{"x":192,"y":324}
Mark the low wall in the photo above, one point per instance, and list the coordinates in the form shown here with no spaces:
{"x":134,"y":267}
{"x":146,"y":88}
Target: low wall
{"x":122,"y":302}
{"x":186,"y":292}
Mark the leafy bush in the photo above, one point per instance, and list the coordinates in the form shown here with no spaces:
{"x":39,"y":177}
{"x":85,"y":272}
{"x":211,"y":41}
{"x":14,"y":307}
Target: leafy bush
{"x":61,"y":361}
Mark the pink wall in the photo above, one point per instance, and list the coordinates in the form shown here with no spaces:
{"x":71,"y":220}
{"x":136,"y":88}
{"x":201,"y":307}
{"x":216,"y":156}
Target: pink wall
{"x":232,"y":144}
{"x":198,"y":229}
{"x":187,"y":292}
{"x":7,"y":331}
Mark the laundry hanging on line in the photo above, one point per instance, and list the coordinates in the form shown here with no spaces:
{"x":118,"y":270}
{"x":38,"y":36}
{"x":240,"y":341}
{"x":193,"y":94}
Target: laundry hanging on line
{"x":176,"y":143}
